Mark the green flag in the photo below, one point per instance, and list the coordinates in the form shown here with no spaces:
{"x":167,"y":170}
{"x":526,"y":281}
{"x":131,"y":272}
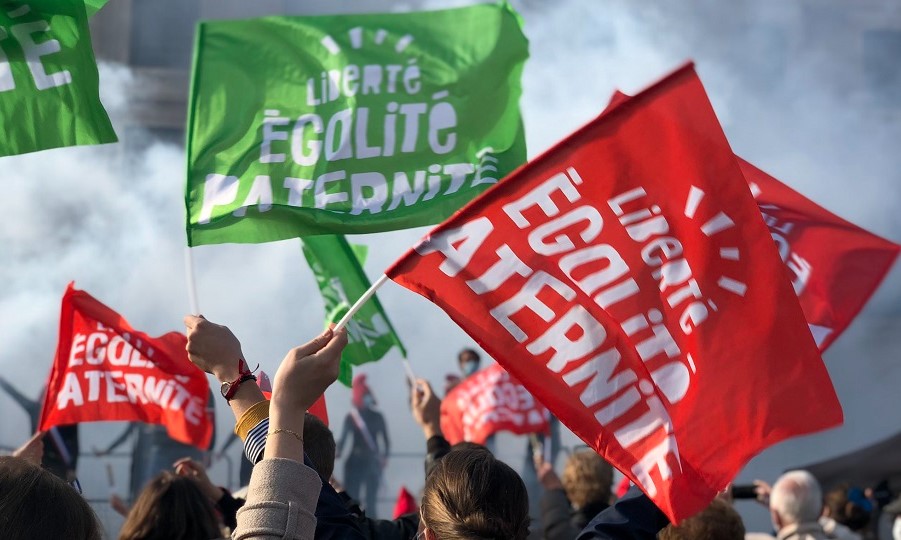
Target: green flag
{"x":350,"y":124}
{"x":49,"y":94}
{"x":339,"y":273}
{"x":93,"y":6}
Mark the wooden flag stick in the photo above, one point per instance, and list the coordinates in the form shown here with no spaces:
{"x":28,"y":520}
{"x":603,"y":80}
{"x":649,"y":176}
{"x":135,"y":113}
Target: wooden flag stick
{"x":192,"y":284}
{"x":359,"y":303}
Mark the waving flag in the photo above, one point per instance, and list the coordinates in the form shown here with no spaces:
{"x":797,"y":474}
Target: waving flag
{"x":49,"y":94}
{"x":489,"y":401}
{"x":627,"y":280}
{"x":351,"y":123}
{"x":339,"y":273}
{"x":106,"y":370}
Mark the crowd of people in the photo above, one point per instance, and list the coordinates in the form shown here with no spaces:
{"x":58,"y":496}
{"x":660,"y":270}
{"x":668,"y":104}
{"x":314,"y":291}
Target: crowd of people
{"x":468,"y":493}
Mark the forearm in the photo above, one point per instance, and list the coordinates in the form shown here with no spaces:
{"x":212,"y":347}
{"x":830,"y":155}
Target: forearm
{"x":285,"y":438}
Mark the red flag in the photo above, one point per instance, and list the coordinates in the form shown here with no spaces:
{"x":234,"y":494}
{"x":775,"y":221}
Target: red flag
{"x":318,"y":409}
{"x":834,"y":265}
{"x":406,"y":503}
{"x":489,"y":401}
{"x":627,"y":280}
{"x":106,"y":370}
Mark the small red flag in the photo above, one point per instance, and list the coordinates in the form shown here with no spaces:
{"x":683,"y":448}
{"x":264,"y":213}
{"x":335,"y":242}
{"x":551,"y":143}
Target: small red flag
{"x":489,"y":401}
{"x":626,"y":278}
{"x":106,"y":370}
{"x":406,"y":503}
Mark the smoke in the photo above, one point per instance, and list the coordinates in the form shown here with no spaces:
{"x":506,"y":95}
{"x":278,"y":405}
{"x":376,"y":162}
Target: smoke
{"x":806,"y":91}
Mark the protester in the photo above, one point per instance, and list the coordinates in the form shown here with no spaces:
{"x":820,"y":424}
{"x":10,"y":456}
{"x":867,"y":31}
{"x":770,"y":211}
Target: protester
{"x":36,"y":504}
{"x":363,"y":467}
{"x":846,"y":513}
{"x":568,"y":505}
{"x":719,"y":521}
{"x":171,"y":507}
{"x":796,"y":504}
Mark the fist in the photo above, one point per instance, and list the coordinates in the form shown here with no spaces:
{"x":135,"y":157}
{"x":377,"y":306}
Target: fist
{"x":213,"y":348}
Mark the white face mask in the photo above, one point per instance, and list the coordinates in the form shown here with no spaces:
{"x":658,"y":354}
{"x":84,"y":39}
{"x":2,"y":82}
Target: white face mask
{"x":896,"y":529}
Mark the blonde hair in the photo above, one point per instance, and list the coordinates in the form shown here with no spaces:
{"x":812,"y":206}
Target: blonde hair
{"x":587,"y":478}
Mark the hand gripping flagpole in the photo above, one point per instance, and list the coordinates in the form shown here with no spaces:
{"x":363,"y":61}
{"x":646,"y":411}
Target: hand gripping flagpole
{"x":192,"y":284}
{"x":359,"y":304}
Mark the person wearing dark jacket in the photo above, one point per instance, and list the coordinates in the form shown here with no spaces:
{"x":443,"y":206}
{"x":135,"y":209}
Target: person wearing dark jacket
{"x":634,"y":517}
{"x":568,"y":505}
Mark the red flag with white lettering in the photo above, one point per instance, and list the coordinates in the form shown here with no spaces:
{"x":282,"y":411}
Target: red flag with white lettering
{"x":834,"y":265}
{"x":489,"y":401}
{"x":626,"y":278}
{"x":106,"y":370}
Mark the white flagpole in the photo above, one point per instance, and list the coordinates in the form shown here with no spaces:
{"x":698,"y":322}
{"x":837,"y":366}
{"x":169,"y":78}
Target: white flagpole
{"x":192,"y":285}
{"x":359,"y":303}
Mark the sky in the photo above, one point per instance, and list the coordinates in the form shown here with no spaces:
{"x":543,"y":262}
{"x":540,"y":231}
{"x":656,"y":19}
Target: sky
{"x":801,"y":91}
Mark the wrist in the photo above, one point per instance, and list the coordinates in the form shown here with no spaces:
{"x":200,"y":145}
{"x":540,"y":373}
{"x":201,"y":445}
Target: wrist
{"x":230,"y":370}
{"x":431,"y":429}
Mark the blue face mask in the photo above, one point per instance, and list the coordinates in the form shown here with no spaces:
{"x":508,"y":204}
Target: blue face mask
{"x":469,"y":367}
{"x":368,"y":401}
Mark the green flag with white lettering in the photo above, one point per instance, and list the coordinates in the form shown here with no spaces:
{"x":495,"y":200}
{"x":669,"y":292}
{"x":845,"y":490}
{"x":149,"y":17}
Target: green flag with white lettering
{"x":301,"y":126}
{"x":49,"y":91}
{"x":338,"y":267}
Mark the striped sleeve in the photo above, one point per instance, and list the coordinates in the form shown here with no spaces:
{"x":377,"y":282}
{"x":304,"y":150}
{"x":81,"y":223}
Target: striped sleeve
{"x":255,"y":443}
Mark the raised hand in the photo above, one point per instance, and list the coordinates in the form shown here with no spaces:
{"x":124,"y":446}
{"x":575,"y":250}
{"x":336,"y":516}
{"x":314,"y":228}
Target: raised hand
{"x":426,"y":408}
{"x":213,"y":348}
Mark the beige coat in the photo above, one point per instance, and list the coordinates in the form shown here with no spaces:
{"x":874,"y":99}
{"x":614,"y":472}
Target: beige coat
{"x":281,"y":501}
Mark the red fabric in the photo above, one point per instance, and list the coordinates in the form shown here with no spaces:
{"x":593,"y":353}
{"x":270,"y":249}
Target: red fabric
{"x":603,"y":276}
{"x":406,"y":503}
{"x":318,"y":409}
{"x":358,"y":389}
{"x":106,"y":370}
{"x":834,"y":265}
{"x":489,"y":401}
{"x":623,"y":487}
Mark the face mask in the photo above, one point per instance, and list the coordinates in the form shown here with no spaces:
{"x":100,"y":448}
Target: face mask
{"x":368,"y":401}
{"x":896,"y":529}
{"x":470,"y":367}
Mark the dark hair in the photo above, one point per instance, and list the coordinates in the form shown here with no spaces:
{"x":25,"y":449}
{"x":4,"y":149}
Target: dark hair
{"x":171,"y":507}
{"x":470,"y":494}
{"x":27,"y":492}
{"x":851,"y":511}
{"x":470,"y":352}
{"x":319,"y":446}
{"x":719,"y":521}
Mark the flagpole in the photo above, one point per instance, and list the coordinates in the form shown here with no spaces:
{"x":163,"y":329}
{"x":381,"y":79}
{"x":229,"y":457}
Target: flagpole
{"x":192,"y":285}
{"x":359,"y":303}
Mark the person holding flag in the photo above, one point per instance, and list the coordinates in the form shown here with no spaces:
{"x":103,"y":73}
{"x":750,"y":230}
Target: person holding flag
{"x":363,"y":467}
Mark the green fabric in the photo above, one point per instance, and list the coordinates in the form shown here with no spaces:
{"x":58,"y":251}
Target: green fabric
{"x":267,"y":160}
{"x":93,"y":6}
{"x":49,"y":94}
{"x":338,"y":268}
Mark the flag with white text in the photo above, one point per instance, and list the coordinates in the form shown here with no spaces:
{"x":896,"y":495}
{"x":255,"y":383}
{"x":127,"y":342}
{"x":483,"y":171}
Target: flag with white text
{"x":626,"y":278}
{"x":105,"y":370}
{"x":49,"y":88}
{"x":489,"y":401}
{"x":354,"y":123}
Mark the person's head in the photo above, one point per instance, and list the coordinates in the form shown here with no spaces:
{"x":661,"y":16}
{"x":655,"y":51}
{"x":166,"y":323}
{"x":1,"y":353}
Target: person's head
{"x":319,"y":446}
{"x":587,"y":479}
{"x":469,"y":361}
{"x":848,"y":506}
{"x":171,"y":507}
{"x":360,"y":393}
{"x":28,"y":493}
{"x":795,"y":498}
{"x":471,"y":495}
{"x":719,"y":521}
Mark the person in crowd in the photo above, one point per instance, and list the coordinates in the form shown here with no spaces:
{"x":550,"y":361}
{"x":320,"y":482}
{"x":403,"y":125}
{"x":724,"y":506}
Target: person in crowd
{"x":568,"y":505}
{"x":830,"y":527}
{"x":468,"y":362}
{"x":796,"y":504}
{"x":171,"y":507}
{"x":370,"y":445}
{"x":61,"y":448}
{"x":265,"y":426}
{"x":35,"y":503}
{"x":846,"y":513}
{"x":719,"y":521}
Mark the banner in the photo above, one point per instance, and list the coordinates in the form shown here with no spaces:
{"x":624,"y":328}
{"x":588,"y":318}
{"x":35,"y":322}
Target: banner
{"x":106,"y":370}
{"x":489,"y":401}
{"x":627,"y":280}
{"x":339,"y":273}
{"x":350,"y":123}
{"x":834,"y":265}
{"x":49,"y":93}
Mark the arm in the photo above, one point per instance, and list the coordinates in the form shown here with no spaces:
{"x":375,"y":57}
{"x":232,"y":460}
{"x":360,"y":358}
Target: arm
{"x":426,"y":409}
{"x":386,"y":441}
{"x":556,"y":510}
{"x":634,"y":517}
